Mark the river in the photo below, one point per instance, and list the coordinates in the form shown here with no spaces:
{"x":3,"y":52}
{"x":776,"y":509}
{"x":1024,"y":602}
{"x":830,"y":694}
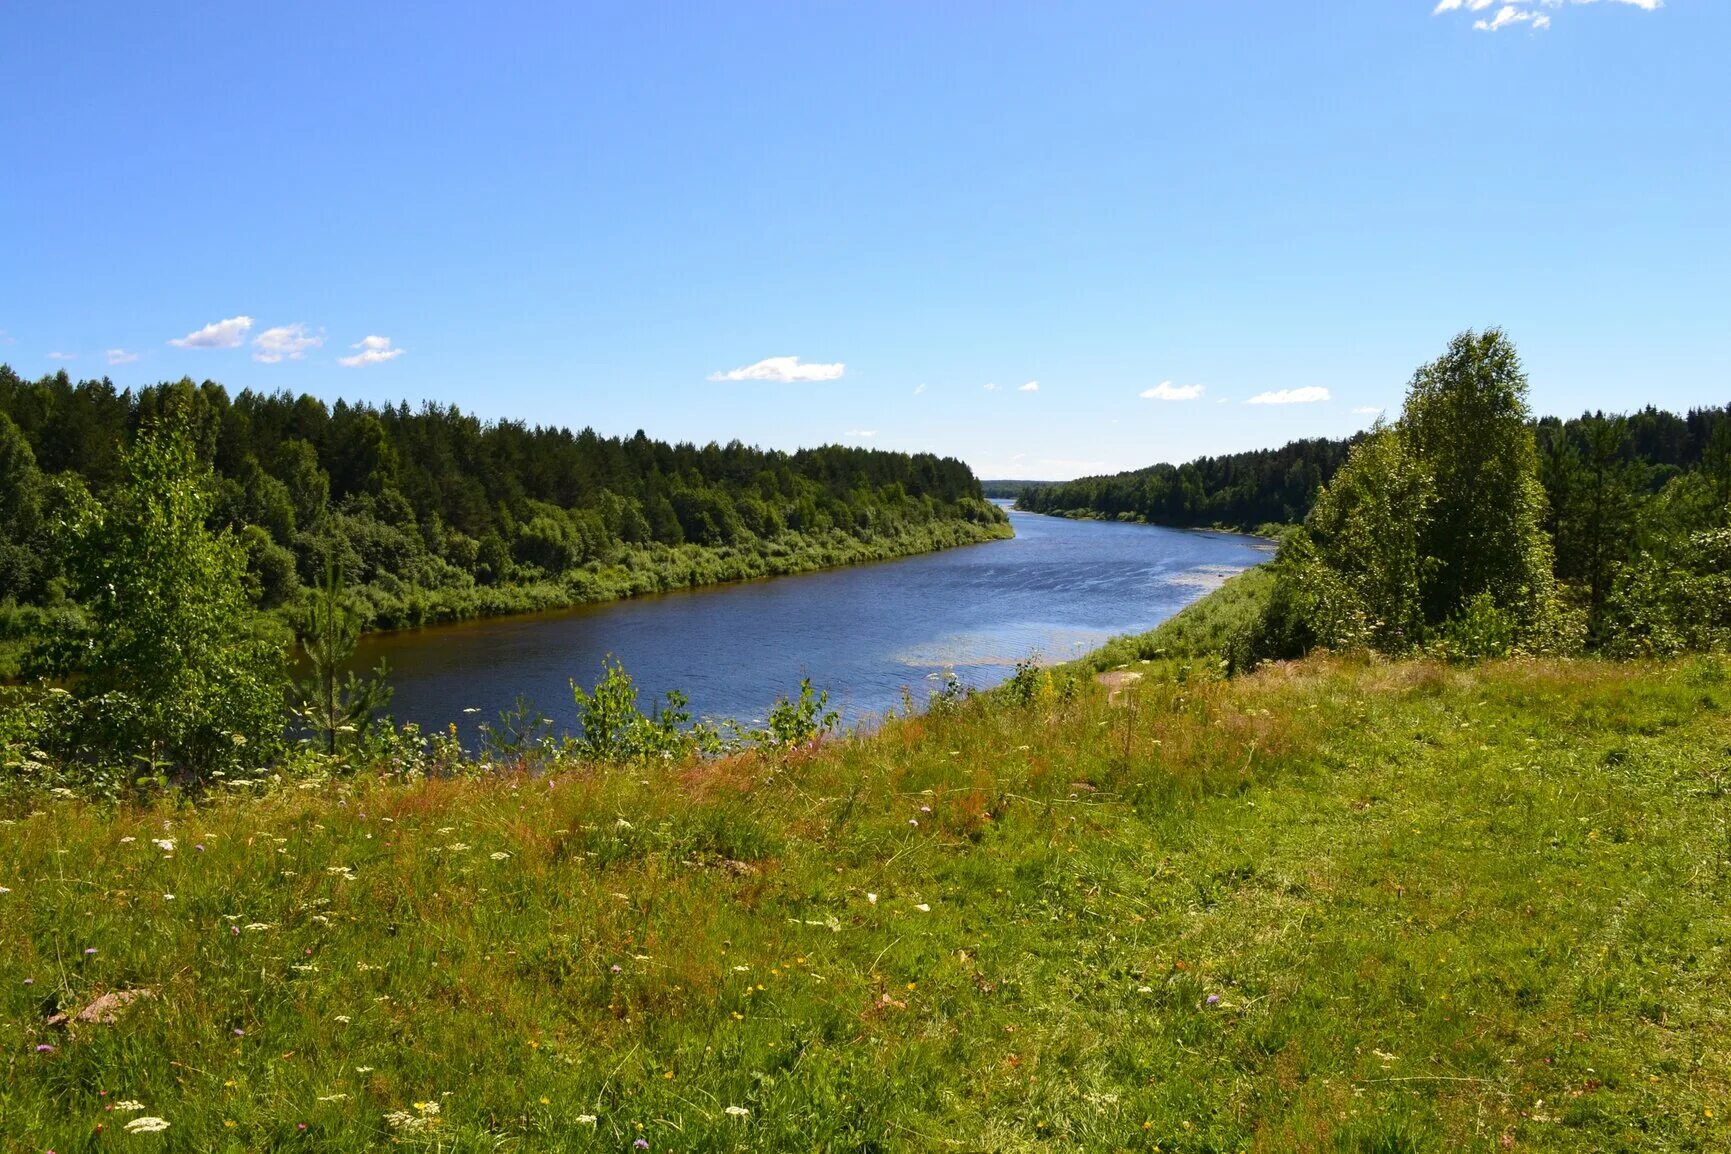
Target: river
{"x":864,"y":632}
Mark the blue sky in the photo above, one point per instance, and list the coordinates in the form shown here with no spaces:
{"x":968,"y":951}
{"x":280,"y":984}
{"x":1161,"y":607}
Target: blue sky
{"x":582,"y":214}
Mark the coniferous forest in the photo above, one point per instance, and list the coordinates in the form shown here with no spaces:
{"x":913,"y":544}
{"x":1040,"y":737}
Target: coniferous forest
{"x":432,"y":514}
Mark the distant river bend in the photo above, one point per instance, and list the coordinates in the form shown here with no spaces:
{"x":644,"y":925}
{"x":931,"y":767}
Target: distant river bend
{"x":864,"y":632}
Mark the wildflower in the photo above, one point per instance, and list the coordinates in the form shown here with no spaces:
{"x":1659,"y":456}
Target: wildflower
{"x":239,"y":1033}
{"x":614,"y":967}
{"x":640,"y":1143}
{"x":1213,"y":999}
{"x":199,"y":847}
{"x":737,"y":1111}
{"x":923,"y":908}
{"x":586,"y":1119}
{"x":5,"y":889}
{"x":165,"y":844}
{"x":167,"y":897}
{"x":146,"y":1125}
{"x":546,"y":1101}
{"x":44,"y":1048}
{"x":29,"y":981}
{"x":499,"y":855}
{"x":925,"y":809}
{"x":913,"y":821}
{"x":343,"y":1018}
{"x":363,"y":1069}
{"x":89,"y":950}
{"x":235,"y":930}
{"x":129,"y":1106}
{"x":872,"y":898}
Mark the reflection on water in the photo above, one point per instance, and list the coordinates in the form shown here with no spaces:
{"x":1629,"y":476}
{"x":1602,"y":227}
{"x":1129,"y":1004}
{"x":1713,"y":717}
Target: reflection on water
{"x":1058,"y":589}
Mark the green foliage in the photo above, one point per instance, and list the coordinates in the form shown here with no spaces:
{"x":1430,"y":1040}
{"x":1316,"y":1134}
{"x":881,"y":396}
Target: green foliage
{"x":169,"y":677}
{"x":1433,"y":529}
{"x":1239,"y":491}
{"x":1357,"y":572}
{"x":803,"y":721}
{"x":1023,"y":687}
{"x":432,"y":515}
{"x":338,"y":710}
{"x":1466,"y":425}
{"x":614,"y":729}
{"x":1341,"y":905}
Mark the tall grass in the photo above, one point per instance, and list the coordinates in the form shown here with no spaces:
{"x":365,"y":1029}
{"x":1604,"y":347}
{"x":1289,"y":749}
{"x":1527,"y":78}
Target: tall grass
{"x":1335,"y":905}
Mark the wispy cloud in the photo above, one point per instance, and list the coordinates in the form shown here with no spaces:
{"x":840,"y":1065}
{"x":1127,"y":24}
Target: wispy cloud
{"x":1167,"y":391}
{"x":1309,"y":395}
{"x":285,"y":342}
{"x":374,"y":350}
{"x":991,"y":386}
{"x":228,"y":334}
{"x":1030,"y":387}
{"x":918,"y":389}
{"x":861,"y":433}
{"x":1366,"y":410}
{"x":121,"y":357}
{"x":786,"y":370}
{"x":1535,"y":14}
{"x":62,"y":356}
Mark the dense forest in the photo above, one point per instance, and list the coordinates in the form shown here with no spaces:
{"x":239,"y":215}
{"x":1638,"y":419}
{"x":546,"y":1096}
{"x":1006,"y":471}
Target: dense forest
{"x":1279,"y":486}
{"x":430,"y":513}
{"x":1468,"y":529}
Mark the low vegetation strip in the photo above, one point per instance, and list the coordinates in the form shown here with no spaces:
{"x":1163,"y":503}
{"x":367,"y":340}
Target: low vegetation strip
{"x":1334,"y":904}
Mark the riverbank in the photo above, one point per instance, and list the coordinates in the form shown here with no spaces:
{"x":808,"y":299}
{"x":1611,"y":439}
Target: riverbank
{"x":1338,"y":904}
{"x":651,"y":569}
{"x":388,"y":605}
{"x":1268,"y":530}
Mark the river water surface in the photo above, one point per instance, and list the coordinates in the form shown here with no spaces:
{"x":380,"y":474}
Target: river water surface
{"x":1056,"y":590}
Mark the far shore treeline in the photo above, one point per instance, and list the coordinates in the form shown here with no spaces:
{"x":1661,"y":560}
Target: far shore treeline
{"x":432,"y":514}
{"x":1265,"y":487}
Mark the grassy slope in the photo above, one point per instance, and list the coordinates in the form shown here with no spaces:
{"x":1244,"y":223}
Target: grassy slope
{"x":1440,"y":909}
{"x":1200,"y":629}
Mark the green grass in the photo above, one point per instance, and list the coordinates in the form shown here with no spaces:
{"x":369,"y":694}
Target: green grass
{"x":1204,"y":628}
{"x":1329,"y":906}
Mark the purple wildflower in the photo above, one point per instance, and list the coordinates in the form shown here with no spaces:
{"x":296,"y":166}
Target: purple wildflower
{"x":235,"y":930}
{"x":1213,"y":999}
{"x":29,"y":981}
{"x":614,"y":967}
{"x":239,"y":1033}
{"x":88,"y":950}
{"x":199,"y":847}
{"x":44,"y":1048}
{"x":640,"y":1143}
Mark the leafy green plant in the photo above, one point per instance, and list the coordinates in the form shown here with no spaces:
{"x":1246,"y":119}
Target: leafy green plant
{"x":170,"y":675}
{"x":337,"y":709}
{"x":802,"y":721}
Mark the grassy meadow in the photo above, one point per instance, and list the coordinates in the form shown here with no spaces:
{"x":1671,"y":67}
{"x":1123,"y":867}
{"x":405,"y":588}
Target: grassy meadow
{"x":1332,"y":905}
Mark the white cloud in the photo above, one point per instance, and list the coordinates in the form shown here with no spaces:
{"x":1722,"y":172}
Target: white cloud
{"x":918,"y":389}
{"x":228,"y":334}
{"x":121,"y":357}
{"x":1529,"y":12}
{"x":1167,"y":391}
{"x":289,"y":342}
{"x":1030,"y":387}
{"x":1309,"y":395}
{"x":786,"y":370}
{"x":991,"y":386}
{"x":861,"y":433}
{"x":1366,"y":410}
{"x":62,"y":356}
{"x":374,"y":350}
